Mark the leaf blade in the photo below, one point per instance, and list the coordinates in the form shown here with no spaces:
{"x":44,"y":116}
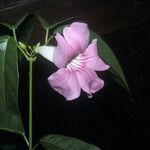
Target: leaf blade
{"x":46,"y":25}
{"x":8,"y":146}
{"x":60,"y":142}
{"x":24,"y":27}
{"x":7,"y":25}
{"x":62,"y":22}
{"x":109,"y":57}
{"x":5,"y":29}
{"x":10,"y":118}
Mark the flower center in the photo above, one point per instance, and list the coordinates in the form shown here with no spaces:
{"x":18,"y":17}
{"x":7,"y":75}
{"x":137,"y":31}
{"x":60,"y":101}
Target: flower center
{"x":76,"y":63}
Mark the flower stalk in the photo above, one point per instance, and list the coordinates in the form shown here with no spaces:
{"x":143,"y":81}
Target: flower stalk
{"x":30,"y":58}
{"x":30,"y":102}
{"x":14,"y":34}
{"x":46,"y":36}
{"x":30,"y":85}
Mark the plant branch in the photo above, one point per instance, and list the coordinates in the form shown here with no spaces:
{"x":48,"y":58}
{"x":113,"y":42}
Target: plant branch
{"x":26,"y":140}
{"x":46,"y":36}
{"x":47,"y":42}
{"x":30,"y":101}
{"x":14,"y":34}
{"x":15,"y":38}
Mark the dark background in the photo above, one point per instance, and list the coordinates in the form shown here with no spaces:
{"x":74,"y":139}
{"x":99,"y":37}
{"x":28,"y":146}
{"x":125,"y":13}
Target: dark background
{"x":110,"y":119}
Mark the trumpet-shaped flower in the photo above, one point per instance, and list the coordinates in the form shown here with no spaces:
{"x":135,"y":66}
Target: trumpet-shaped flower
{"x":77,"y":60}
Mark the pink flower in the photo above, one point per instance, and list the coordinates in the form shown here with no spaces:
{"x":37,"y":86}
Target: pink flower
{"x":77,"y":62}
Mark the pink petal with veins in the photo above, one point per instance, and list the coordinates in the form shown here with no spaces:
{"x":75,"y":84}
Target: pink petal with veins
{"x":65,"y":82}
{"x":77,"y":35}
{"x":89,"y":81}
{"x":77,"y":62}
{"x":92,"y":59}
{"x":63,"y":53}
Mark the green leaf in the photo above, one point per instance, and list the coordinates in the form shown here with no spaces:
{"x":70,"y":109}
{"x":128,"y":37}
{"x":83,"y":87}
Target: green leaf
{"x":8,"y":147}
{"x":59,"y":29}
{"x":20,"y":22}
{"x":5,"y":29}
{"x":60,"y":142}
{"x":24,"y":27}
{"x":46,"y":25}
{"x":109,"y":57}
{"x":62,"y":23}
{"x":7,"y":25}
{"x":10,"y":117}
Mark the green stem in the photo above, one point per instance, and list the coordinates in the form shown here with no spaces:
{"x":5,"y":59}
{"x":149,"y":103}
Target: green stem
{"x":14,"y":34}
{"x":35,"y":146}
{"x":48,"y":40}
{"x":30,"y":102}
{"x":46,"y":36}
{"x":15,"y":37}
{"x":26,"y":140}
{"x":25,"y":55}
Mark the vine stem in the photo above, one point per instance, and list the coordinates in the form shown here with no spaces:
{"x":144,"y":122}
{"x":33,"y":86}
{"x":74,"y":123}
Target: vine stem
{"x":14,"y":34}
{"x":15,"y":38}
{"x":30,"y":102}
{"x":26,"y":140}
{"x":46,"y":36}
{"x":48,"y":40}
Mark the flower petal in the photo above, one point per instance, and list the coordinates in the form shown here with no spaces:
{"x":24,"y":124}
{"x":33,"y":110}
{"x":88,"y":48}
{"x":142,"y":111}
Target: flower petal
{"x":46,"y":51}
{"x":63,"y":53}
{"x":89,"y":81}
{"x":93,"y":61}
{"x":77,"y":35}
{"x":65,"y":82}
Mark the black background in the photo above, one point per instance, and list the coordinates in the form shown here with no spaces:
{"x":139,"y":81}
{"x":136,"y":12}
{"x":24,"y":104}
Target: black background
{"x":110,"y":119}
